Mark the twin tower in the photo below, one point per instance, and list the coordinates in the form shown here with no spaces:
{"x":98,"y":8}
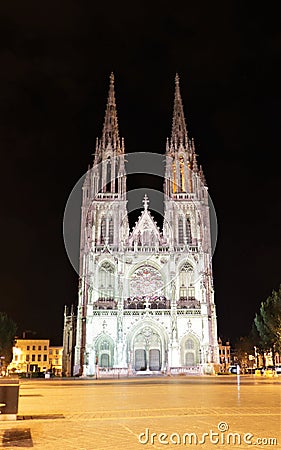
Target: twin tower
{"x":146,"y":297}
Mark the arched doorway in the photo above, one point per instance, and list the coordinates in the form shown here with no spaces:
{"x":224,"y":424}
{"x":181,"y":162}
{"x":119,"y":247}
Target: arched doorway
{"x":104,"y":351}
{"x":190,"y":351}
{"x":147,"y":350}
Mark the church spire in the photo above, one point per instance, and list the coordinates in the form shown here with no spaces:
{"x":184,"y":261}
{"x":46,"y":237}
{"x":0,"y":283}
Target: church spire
{"x":179,"y":131}
{"x":110,"y":133}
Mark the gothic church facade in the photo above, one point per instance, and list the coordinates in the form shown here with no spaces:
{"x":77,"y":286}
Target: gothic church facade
{"x":146,"y":296}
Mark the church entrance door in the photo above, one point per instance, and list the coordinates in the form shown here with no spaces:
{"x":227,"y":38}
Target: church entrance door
{"x":147,"y":350}
{"x":140,"y":359}
{"x":154,"y":359}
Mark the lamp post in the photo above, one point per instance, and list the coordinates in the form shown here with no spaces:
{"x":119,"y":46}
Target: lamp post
{"x":256,"y":357}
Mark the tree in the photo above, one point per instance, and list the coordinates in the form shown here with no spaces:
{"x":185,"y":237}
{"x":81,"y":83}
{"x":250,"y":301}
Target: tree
{"x":243,"y":348}
{"x":7,"y":334}
{"x":268,"y":321}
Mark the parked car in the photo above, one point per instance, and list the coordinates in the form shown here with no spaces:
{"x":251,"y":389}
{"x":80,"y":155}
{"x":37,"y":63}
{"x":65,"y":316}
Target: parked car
{"x":234,"y":369}
{"x":269,"y":370}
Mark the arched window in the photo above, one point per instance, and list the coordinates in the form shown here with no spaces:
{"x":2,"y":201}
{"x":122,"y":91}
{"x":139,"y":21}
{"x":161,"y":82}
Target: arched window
{"x":180,"y":231}
{"x":145,"y":238}
{"x":186,"y":278}
{"x":182,"y":181}
{"x":116,"y":174}
{"x":110,"y":231}
{"x":174,"y":178}
{"x":108,"y":174}
{"x":104,"y":345}
{"x":189,"y":345}
{"x":188,"y":231}
{"x":106,"y":281}
{"x":103,"y":230}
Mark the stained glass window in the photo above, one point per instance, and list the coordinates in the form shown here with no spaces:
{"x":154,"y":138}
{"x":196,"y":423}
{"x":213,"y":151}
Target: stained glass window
{"x":146,"y":281}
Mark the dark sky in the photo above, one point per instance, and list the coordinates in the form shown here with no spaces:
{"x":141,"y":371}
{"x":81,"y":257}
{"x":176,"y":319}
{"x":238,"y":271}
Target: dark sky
{"x":56,"y":58}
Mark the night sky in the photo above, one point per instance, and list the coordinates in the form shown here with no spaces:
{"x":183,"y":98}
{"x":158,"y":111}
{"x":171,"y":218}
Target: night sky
{"x":56,"y":58}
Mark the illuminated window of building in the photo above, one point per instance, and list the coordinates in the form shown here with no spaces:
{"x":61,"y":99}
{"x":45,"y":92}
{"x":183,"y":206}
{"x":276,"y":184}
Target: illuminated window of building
{"x":45,"y":358}
{"x":45,"y":347}
{"x":32,"y":357}
{"x":39,"y":347}
{"x":33,"y":347}
{"x":27,"y":358}
{"x":182,"y":181}
{"x":174,"y":178}
{"x":39,"y":358}
{"x":28,"y":347}
{"x":51,"y":351}
{"x":57,"y":351}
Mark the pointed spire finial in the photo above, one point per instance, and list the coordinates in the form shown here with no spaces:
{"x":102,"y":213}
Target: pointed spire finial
{"x":202,"y":176}
{"x":193,"y":156}
{"x":194,"y":163}
{"x":179,"y":131}
{"x":145,"y":202}
{"x":110,"y":133}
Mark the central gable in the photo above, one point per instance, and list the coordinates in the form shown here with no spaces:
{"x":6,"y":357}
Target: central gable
{"x":145,"y":232}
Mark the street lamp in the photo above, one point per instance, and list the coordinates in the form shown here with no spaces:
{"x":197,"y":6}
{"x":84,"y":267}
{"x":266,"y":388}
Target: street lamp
{"x":256,"y":357}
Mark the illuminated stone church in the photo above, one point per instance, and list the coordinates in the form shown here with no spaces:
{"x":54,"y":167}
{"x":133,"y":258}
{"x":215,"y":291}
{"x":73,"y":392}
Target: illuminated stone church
{"x":146,"y":296}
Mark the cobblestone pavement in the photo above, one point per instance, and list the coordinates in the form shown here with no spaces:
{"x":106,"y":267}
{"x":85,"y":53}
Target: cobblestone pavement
{"x":132,"y":414}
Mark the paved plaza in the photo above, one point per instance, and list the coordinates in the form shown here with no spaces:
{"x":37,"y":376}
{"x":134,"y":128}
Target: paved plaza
{"x":220,"y":412}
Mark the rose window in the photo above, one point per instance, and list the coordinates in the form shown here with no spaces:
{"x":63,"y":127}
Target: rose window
{"x":146,"y":281}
